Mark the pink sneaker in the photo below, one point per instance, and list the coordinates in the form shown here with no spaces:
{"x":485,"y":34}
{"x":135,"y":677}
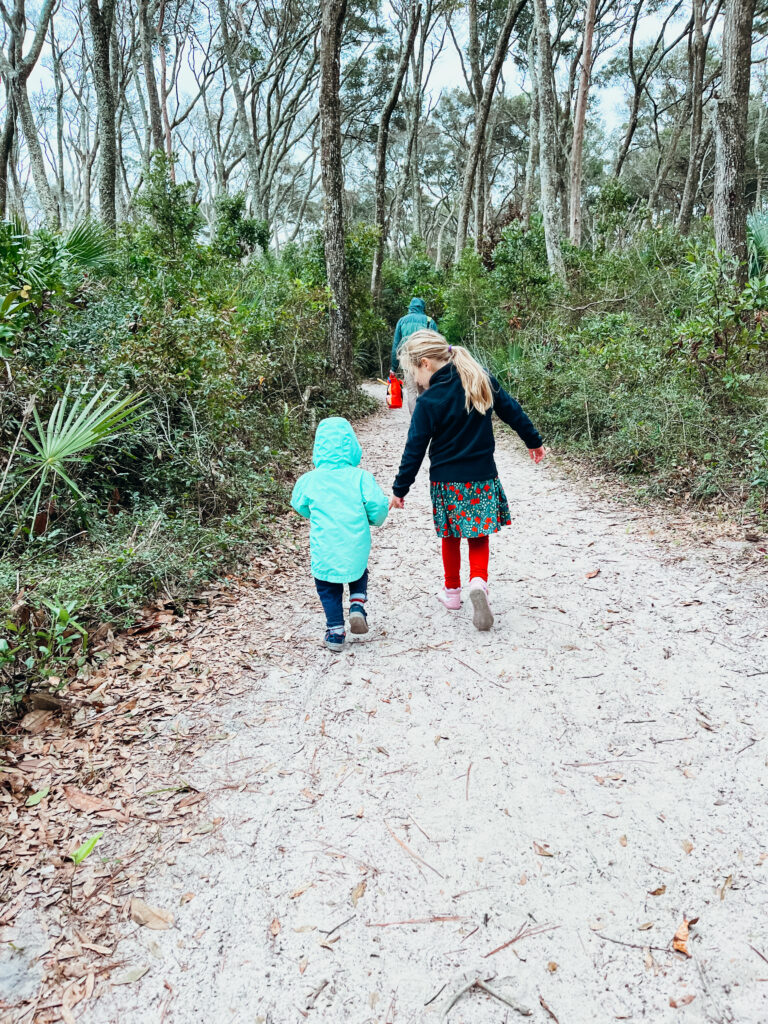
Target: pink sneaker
{"x":450,"y":598}
{"x":482,"y":617}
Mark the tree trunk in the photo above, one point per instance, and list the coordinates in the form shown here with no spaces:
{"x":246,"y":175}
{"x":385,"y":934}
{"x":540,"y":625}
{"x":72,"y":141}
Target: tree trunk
{"x":532,"y":158}
{"x":6,"y":145}
{"x":731,"y":133}
{"x":697,"y":59}
{"x":333,"y":13}
{"x":147,"y":35}
{"x":101,"y":30}
{"x":547,"y":154}
{"x":579,"y":121}
{"x":478,"y":139}
{"x":380,"y":179}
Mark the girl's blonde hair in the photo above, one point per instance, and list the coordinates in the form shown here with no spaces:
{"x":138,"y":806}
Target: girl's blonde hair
{"x":426,"y":344}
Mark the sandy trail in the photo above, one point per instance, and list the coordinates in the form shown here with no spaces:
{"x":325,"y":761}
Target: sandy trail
{"x":395,"y":813}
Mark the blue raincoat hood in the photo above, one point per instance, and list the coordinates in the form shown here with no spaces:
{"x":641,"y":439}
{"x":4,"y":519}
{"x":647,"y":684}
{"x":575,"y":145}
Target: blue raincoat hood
{"x":417,"y":306}
{"x":336,"y":444}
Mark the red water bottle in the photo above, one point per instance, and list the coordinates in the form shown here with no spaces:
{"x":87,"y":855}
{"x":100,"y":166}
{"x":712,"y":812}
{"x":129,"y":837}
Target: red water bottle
{"x":394,"y":392}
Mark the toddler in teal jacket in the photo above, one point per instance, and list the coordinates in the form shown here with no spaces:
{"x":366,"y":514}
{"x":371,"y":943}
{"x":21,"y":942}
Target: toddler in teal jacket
{"x":341,"y":502}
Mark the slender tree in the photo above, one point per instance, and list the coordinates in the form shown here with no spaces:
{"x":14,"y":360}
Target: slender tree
{"x":381,"y":149}
{"x":547,"y":139}
{"x":333,"y":14}
{"x":579,"y":122}
{"x":486,"y":94}
{"x":731,"y":133}
{"x":100,"y":19}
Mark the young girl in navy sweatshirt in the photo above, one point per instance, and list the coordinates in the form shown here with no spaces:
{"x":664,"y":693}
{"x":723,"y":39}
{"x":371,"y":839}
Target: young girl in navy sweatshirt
{"x":453,"y":419}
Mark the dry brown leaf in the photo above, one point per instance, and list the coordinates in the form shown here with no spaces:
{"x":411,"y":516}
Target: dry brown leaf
{"x":648,"y":957}
{"x":726,"y":885}
{"x":181,"y":661}
{"x":523,"y":880}
{"x":623,"y":840}
{"x":299,"y":892}
{"x":551,"y":966}
{"x":658,"y":892}
{"x":187,"y":897}
{"x":687,"y":845}
{"x":359,"y":812}
{"x":357,"y":892}
{"x":679,"y":943}
{"x":274,"y":927}
{"x":591,"y":575}
{"x":542,"y":849}
{"x":645,"y":927}
{"x":303,"y":965}
{"x":151,"y":917}
{"x":35,"y":721}
{"x":677,"y":1003}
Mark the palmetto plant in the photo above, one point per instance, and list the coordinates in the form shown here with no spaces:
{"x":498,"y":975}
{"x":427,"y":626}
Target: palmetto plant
{"x":757,"y":244}
{"x":74,"y":427}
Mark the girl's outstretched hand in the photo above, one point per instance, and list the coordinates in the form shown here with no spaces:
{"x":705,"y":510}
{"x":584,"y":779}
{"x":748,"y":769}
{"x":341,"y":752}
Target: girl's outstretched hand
{"x":537,"y":454}
{"x":395,"y":502}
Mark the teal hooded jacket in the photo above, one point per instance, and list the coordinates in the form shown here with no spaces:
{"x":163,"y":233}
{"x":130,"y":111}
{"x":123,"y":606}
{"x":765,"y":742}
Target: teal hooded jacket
{"x":415,"y":319}
{"x":341,"y":502}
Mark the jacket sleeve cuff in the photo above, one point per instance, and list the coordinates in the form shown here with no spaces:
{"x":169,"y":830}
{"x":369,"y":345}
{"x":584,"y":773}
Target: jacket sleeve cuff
{"x":400,"y":492}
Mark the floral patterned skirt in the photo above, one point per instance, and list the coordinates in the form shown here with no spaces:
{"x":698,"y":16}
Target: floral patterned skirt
{"x":473,"y":509}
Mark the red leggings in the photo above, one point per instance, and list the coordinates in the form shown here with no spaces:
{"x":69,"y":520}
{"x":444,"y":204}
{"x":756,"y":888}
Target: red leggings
{"x":478,"y":560}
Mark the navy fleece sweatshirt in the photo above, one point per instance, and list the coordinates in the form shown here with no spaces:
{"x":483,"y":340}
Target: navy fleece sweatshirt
{"x":461,"y":443}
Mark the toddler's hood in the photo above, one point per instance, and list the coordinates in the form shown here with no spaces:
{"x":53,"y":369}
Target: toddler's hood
{"x":336,"y":443}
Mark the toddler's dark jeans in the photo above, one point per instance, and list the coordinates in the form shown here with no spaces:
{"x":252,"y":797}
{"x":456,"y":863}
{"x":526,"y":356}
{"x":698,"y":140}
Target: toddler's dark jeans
{"x":332,"y":598}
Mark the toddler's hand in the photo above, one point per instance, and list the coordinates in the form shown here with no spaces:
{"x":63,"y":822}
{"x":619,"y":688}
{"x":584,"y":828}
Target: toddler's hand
{"x":537,"y":454}
{"x":395,"y":502}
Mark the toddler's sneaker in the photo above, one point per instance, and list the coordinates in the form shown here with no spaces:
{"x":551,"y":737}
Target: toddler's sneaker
{"x":482,"y":617}
{"x":450,"y":598}
{"x":358,"y":620}
{"x":334,"y":641}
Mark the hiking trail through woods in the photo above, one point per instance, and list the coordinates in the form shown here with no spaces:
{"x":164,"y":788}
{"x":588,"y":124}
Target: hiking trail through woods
{"x":540,"y":807}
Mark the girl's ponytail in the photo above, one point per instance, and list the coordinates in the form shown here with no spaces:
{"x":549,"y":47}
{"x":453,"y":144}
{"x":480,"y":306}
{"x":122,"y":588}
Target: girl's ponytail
{"x":474,"y":379}
{"x":426,"y":344}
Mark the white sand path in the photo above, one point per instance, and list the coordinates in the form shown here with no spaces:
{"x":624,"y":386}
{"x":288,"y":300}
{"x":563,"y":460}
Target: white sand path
{"x":616,"y":723}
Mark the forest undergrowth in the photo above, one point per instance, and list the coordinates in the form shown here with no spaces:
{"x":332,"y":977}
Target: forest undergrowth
{"x":161,"y":389}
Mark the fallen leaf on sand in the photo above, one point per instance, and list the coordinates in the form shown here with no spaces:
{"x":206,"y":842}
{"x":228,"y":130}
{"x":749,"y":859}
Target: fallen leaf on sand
{"x":591,"y":575}
{"x":359,"y":813}
{"x":687,"y":845}
{"x":648,"y":957}
{"x":274,"y":928}
{"x":187,"y":897}
{"x":523,"y":880}
{"x":303,"y":965}
{"x":80,"y":801}
{"x":677,"y":1003}
{"x":623,"y":840}
{"x":150,"y":917}
{"x":181,"y":661}
{"x":726,"y":885}
{"x":551,"y":966}
{"x":681,"y":938}
{"x":129,"y":976}
{"x":357,"y":892}
{"x":542,"y":849}
{"x":645,"y":927}
{"x":658,"y":892}
{"x":299,"y":892}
